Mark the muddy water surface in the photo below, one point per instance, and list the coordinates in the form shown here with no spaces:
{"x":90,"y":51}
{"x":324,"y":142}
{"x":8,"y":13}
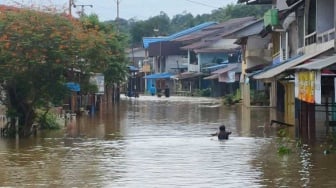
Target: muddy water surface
{"x":164,"y":142}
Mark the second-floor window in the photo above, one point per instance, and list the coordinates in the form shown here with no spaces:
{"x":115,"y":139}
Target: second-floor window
{"x":311,"y":15}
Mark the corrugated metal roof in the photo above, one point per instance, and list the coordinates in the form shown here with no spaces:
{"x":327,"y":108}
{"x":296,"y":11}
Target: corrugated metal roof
{"x":211,"y":77}
{"x":214,"y":50}
{"x":227,"y":43}
{"x":253,"y":29}
{"x":218,"y":29}
{"x":270,"y":72}
{"x":191,"y":30}
{"x":215,"y":67}
{"x":165,"y":75}
{"x":186,"y":75}
{"x":147,"y":40}
{"x":256,"y":2}
{"x":229,"y":67}
{"x":318,"y":64}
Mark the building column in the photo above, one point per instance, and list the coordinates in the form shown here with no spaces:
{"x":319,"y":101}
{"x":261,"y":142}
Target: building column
{"x":273,"y":93}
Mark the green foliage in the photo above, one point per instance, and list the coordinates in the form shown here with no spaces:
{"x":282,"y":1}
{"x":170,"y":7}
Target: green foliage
{"x":283,"y":150}
{"x":88,"y":88}
{"x":137,"y":29}
{"x":283,"y":142}
{"x":228,"y":99}
{"x":329,"y":144}
{"x":47,"y":121}
{"x":38,"y":50}
{"x":232,"y":98}
{"x":202,"y":92}
{"x":259,"y":97}
{"x":110,"y":58}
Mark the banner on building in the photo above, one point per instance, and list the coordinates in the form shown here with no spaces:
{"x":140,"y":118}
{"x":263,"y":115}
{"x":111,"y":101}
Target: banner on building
{"x":228,"y":77}
{"x":98,"y":80}
{"x":305,"y":82}
{"x":146,"y":68}
{"x":318,"y":89}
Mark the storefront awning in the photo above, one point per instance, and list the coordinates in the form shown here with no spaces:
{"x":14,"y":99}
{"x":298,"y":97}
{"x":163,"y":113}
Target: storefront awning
{"x":211,"y":77}
{"x":165,"y":75}
{"x":216,"y":74}
{"x":229,"y":67}
{"x":186,"y":75}
{"x":280,"y":68}
{"x":73,"y":86}
{"x":318,"y":64}
{"x":215,"y":67}
{"x":256,"y":68}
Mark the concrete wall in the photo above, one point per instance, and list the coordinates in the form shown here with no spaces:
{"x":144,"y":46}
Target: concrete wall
{"x":324,"y":15}
{"x":174,"y":61}
{"x":257,"y":51}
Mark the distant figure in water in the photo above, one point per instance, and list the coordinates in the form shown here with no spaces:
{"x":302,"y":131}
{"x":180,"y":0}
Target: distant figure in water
{"x":222,"y":134}
{"x":152,"y":90}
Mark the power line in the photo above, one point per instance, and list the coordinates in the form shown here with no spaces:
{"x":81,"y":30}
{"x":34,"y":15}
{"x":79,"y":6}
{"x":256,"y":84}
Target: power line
{"x":207,"y":5}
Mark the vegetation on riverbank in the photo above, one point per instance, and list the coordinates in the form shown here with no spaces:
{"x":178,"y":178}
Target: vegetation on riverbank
{"x":42,"y":51}
{"x":232,"y":98}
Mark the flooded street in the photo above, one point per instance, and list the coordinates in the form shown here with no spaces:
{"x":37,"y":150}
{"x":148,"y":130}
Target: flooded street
{"x":164,"y":142}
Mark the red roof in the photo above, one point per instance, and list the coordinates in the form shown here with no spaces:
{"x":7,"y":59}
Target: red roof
{"x":8,"y":8}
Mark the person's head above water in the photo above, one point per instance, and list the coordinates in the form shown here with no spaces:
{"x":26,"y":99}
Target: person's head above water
{"x":222,"y":128}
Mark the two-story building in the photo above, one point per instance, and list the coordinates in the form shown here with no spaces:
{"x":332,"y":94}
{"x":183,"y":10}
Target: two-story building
{"x":211,"y":51}
{"x":168,"y":59}
{"x":302,"y":74}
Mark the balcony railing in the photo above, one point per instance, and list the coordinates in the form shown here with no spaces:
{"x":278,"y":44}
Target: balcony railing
{"x":310,"y":39}
{"x":326,"y":36}
{"x":193,"y":68}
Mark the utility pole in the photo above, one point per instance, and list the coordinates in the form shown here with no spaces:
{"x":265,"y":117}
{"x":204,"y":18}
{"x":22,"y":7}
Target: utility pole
{"x":82,"y":10}
{"x":70,"y":5}
{"x":117,"y":19}
{"x":118,"y":3}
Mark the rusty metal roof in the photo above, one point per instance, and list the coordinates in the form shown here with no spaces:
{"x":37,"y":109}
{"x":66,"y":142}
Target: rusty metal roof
{"x":218,"y":30}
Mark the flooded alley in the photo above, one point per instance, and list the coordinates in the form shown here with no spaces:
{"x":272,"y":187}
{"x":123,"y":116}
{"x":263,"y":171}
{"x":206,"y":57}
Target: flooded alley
{"x":164,"y":142}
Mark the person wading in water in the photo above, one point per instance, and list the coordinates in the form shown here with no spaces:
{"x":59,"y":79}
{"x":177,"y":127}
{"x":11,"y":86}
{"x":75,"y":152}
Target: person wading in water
{"x":222,"y":134}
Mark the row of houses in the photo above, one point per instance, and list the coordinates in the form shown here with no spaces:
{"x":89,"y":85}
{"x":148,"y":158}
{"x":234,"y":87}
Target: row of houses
{"x":194,"y":59}
{"x":287,"y":57}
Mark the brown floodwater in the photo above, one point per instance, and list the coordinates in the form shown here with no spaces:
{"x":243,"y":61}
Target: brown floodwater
{"x":165,"y":142}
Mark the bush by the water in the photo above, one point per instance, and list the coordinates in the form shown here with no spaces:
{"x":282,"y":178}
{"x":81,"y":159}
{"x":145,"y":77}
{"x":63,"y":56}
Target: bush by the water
{"x":203,"y":92}
{"x":48,"y":121}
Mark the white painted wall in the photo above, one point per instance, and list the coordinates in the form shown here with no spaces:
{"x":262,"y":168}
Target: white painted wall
{"x":173,"y":61}
{"x":225,"y":44}
{"x":257,"y":42}
{"x":257,"y":51}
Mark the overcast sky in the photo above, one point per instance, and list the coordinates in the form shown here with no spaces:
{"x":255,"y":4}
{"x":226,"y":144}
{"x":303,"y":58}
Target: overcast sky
{"x":138,"y":9}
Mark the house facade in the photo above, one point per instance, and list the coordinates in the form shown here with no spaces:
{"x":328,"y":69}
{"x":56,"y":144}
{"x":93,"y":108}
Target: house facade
{"x":168,"y":59}
{"x":302,"y":73}
{"x":210,"y":52}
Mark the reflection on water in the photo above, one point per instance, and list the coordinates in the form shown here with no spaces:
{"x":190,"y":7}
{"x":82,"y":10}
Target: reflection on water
{"x":163,"y":142}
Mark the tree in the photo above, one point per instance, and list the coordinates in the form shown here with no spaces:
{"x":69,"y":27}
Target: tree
{"x":144,"y":28}
{"x":36,"y":51}
{"x":109,"y":57}
{"x":182,"y":21}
